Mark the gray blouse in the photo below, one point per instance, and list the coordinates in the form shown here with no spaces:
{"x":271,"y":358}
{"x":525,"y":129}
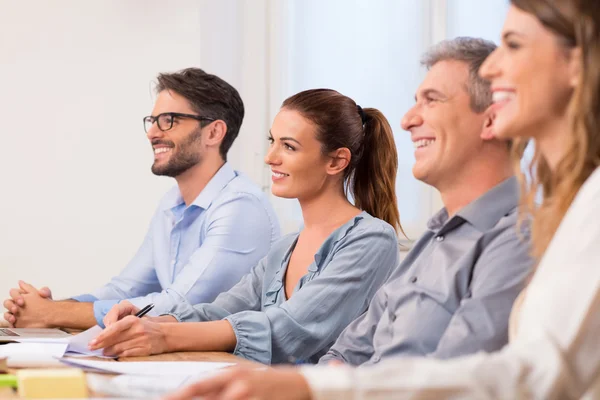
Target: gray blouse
{"x":349,"y":267}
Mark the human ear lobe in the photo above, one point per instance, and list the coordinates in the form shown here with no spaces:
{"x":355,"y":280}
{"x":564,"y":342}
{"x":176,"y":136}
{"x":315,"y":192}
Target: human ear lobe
{"x":487,"y":132}
{"x":217,"y":131}
{"x":339,"y":160}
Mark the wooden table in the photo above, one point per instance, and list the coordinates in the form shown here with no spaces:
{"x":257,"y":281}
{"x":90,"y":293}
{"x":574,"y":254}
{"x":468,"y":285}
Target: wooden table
{"x":183,"y":356}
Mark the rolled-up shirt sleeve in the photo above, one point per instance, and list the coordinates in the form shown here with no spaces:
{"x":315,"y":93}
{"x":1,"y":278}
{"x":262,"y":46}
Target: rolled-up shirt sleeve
{"x":554,"y":355}
{"x":317,"y":313}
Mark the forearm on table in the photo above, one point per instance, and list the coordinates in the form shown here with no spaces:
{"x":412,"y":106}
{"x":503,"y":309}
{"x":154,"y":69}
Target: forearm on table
{"x":199,"y":336}
{"x":71,"y":314}
{"x":163,"y":319}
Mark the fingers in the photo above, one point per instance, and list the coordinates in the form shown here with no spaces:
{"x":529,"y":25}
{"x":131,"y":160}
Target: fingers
{"x":119,"y":311}
{"x":116,"y":333}
{"x":134,"y":352}
{"x":129,"y":348}
{"x":112,"y":316}
{"x":27,"y":288}
{"x":237,"y":390}
{"x":45,"y":292}
{"x":127,"y":308}
{"x":17,"y":297}
{"x":10,"y":305}
{"x":212,"y":385}
{"x":10,"y":318}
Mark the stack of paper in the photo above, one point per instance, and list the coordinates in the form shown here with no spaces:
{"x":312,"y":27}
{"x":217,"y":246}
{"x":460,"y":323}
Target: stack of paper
{"x":76,"y":345}
{"x":44,"y":352}
{"x":24,"y":355}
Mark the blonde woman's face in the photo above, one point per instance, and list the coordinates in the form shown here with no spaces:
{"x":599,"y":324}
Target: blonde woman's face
{"x":532,"y":77}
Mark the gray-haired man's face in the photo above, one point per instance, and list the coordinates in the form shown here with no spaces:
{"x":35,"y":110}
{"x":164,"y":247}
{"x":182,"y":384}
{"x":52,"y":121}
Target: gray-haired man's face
{"x":444,"y":129}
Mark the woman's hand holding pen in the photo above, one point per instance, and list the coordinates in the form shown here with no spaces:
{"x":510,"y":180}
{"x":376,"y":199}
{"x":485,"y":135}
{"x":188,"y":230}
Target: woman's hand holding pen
{"x":131,"y":336}
{"x":118,"y":312}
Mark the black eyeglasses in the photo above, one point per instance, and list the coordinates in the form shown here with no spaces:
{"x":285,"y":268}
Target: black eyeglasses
{"x":164,"y":121}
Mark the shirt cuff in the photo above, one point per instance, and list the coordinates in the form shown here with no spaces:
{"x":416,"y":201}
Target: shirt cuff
{"x":329,"y":357}
{"x":329,"y":382}
{"x":101,"y":308}
{"x":172,"y":315}
{"x":253,"y":336}
{"x":85,"y":298}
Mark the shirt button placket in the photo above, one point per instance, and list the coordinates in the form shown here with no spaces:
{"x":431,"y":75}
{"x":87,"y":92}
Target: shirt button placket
{"x":175,"y":238}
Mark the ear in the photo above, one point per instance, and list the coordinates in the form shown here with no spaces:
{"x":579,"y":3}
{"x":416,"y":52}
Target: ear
{"x":487,"y":132}
{"x":574,"y":67}
{"x":215,"y":132}
{"x":340,"y":159}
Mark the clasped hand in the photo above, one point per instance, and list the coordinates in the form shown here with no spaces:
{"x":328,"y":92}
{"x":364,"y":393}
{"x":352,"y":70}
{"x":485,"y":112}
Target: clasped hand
{"x":28,"y":307}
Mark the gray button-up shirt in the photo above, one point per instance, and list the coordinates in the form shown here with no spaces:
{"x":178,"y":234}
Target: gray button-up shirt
{"x":348,"y":269}
{"x":453,"y":293}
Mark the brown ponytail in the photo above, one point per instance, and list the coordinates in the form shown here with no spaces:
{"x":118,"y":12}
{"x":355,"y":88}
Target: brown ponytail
{"x":374,"y":179}
{"x":371,"y":174}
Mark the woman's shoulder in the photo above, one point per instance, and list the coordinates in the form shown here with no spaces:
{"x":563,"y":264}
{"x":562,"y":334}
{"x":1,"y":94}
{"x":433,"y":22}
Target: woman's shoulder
{"x":592,"y":184}
{"x":577,"y":222}
{"x":366,"y":224}
{"x":588,"y":195}
{"x":363,"y":231}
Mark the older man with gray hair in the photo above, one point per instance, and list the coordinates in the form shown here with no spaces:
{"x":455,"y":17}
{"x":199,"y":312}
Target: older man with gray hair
{"x":453,"y":292}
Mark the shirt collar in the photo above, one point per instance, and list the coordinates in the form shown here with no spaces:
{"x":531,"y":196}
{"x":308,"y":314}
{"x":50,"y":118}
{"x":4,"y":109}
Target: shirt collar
{"x":328,"y":244}
{"x":484,"y":212}
{"x":223,"y":176}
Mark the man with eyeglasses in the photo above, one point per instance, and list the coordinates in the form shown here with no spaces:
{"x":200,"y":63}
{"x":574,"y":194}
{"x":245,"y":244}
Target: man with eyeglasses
{"x":207,"y":232}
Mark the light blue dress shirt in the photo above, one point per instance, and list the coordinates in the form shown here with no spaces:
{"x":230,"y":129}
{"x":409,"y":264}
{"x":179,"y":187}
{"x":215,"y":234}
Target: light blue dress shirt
{"x":194,"y":253}
{"x":349,"y":267}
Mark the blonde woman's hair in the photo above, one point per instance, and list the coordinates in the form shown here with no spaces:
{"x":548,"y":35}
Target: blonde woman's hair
{"x":576,"y":24}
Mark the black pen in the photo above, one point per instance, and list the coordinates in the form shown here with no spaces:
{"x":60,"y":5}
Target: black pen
{"x":144,"y":310}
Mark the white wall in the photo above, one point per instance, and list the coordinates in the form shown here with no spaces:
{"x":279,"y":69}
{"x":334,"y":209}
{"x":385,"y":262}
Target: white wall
{"x":75,"y":82}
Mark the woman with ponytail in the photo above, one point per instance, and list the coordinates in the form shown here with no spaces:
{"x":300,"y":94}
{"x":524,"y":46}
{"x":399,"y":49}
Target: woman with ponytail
{"x":298,"y":299}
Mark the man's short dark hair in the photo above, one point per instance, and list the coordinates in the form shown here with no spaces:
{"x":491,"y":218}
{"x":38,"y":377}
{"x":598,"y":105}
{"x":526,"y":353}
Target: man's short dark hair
{"x":209,"y":96}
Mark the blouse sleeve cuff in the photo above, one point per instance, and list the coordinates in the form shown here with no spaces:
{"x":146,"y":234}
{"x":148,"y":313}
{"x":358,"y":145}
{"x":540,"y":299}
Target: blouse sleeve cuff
{"x":183,"y":311}
{"x":253,"y":334}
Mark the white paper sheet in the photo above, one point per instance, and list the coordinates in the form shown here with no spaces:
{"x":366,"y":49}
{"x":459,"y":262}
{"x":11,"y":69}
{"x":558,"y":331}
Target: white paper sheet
{"x":162,"y":368}
{"x":77,"y":344}
{"x":22,"y":355}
